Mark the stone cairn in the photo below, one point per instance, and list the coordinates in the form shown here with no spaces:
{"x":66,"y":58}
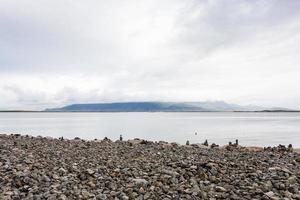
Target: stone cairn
{"x":280,"y":148}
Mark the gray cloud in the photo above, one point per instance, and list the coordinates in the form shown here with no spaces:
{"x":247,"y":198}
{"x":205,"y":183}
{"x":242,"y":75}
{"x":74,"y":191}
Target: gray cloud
{"x":58,"y":52}
{"x":206,"y":26}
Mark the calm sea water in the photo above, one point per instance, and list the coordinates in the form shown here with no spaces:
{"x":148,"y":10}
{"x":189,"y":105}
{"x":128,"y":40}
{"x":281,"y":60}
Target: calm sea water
{"x":250,"y":128}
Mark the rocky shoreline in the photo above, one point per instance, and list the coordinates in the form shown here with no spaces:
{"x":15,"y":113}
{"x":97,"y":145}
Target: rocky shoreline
{"x":46,"y":168}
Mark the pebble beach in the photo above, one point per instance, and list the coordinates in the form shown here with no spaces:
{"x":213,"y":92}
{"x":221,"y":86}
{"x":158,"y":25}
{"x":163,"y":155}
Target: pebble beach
{"x":56,"y":168}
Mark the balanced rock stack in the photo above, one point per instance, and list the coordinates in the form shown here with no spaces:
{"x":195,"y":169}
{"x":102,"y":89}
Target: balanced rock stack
{"x":46,"y":168}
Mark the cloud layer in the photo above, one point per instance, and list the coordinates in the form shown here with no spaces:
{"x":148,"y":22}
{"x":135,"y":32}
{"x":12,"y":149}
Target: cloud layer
{"x":67,"y":51}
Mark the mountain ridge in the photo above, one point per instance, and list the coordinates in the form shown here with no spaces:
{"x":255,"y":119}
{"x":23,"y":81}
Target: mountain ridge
{"x":157,"y":106}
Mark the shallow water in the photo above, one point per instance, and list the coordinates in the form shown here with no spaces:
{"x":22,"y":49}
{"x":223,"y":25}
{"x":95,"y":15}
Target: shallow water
{"x":261,"y":129}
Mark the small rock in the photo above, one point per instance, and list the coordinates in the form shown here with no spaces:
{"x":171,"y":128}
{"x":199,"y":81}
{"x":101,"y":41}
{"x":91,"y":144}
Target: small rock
{"x":292,"y":180}
{"x":62,"y":171}
{"x":270,"y":194}
{"x":46,"y":178}
{"x":193,"y":167}
{"x":220,"y":189}
{"x":90,"y":172}
{"x":169,"y":172}
{"x":101,"y":197}
{"x":140,"y":181}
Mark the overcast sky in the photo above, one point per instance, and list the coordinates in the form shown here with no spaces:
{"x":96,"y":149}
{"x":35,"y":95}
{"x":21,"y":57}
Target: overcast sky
{"x":57,"y":52}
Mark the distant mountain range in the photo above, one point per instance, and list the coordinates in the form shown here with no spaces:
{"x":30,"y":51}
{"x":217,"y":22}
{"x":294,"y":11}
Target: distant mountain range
{"x":207,"y":106}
